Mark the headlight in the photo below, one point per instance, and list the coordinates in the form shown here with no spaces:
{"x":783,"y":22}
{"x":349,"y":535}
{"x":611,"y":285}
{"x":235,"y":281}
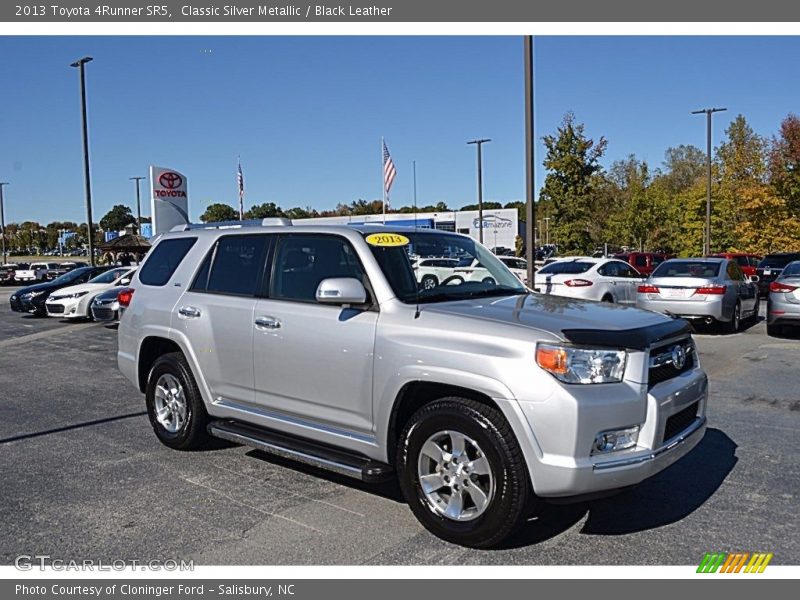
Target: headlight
{"x":30,"y":295}
{"x":582,"y":365}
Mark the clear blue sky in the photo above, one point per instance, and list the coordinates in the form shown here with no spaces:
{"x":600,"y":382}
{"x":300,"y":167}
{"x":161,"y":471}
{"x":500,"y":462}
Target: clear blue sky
{"x":306,"y":114}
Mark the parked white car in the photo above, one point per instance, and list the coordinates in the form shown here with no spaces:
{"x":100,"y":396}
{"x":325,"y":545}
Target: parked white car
{"x":75,"y":302}
{"x":431,"y":271}
{"x":471,"y":270}
{"x":605,"y":279}
{"x":35,"y":272}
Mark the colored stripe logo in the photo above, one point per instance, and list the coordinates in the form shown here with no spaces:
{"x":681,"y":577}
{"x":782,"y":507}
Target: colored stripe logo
{"x":739,"y":562}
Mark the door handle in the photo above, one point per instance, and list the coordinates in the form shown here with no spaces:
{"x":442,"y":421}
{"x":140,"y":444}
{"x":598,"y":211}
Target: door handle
{"x":189,"y":312}
{"x":267,"y":323}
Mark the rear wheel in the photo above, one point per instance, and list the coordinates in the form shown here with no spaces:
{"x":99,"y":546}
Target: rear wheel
{"x":462,"y":472}
{"x":429,"y":282}
{"x":174,"y":405}
{"x":754,"y":317}
{"x":734,"y":324}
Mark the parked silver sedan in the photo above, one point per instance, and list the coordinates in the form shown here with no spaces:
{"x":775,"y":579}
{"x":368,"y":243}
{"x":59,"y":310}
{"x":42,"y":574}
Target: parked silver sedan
{"x":710,"y":290}
{"x":105,"y":306}
{"x":783,"y":304}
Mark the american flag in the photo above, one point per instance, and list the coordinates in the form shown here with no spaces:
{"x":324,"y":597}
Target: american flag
{"x":389,"y":172}
{"x":240,"y":182}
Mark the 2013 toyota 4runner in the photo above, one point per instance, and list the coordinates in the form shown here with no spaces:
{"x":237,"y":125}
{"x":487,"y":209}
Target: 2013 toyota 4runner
{"x":318,"y":343}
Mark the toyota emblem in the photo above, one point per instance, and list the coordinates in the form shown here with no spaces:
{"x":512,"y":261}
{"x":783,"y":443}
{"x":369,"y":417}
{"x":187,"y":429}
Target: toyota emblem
{"x":170,"y":180}
{"x":678,"y":357}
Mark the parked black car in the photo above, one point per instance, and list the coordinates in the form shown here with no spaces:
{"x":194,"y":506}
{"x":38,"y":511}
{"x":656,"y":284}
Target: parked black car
{"x":770,"y":268}
{"x":31,"y":299}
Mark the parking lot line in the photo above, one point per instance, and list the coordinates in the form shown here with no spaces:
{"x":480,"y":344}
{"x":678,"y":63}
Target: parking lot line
{"x":250,"y":506}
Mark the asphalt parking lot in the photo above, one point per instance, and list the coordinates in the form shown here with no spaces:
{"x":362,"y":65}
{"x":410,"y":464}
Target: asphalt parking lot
{"x":84,"y":476}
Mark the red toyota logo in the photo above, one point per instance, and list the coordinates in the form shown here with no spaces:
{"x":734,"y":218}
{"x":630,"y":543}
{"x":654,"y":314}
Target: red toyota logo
{"x":170,"y":180}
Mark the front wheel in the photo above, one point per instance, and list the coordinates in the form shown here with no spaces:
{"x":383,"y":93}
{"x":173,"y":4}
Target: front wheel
{"x":174,"y":405}
{"x":462,"y":472}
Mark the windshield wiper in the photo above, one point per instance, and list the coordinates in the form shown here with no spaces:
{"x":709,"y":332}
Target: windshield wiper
{"x":494,"y":291}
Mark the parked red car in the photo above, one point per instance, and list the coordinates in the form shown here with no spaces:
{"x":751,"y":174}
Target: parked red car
{"x":644,"y":262}
{"x":747,"y":262}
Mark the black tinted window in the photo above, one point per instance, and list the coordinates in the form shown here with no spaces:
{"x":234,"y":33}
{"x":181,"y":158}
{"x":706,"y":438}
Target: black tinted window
{"x":566,"y":267}
{"x":302,"y":262}
{"x":778,"y":261}
{"x":163,"y":260}
{"x":238,"y":264}
{"x":640,"y":261}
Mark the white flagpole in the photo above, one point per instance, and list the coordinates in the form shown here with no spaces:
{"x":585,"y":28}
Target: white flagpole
{"x":383,"y":178}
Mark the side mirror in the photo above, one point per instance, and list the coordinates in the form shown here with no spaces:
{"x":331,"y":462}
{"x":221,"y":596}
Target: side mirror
{"x":341,"y":290}
{"x":754,"y":278}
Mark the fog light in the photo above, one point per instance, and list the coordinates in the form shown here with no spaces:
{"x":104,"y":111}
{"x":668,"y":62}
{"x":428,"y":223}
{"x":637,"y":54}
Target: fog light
{"x":617,"y":439}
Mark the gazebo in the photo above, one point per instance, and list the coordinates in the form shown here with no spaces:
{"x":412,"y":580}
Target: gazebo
{"x":125,"y":248}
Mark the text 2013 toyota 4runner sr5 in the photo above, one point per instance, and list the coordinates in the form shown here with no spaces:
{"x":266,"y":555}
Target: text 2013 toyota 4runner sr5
{"x":318,"y":343}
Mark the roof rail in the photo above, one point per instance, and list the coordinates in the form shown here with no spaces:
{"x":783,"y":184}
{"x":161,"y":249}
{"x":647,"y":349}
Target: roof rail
{"x":268,"y":222}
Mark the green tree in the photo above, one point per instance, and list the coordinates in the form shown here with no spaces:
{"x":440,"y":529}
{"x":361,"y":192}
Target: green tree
{"x":264,"y":211}
{"x":684,"y":166}
{"x":571,"y":160}
{"x":219,"y":212}
{"x":117,"y":218}
{"x":486,"y":206}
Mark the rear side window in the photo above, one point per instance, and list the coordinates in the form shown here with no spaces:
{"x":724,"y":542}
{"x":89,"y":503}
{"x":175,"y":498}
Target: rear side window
{"x":238,"y":264}
{"x":640,"y":261}
{"x":566,"y":267}
{"x":163,"y":260}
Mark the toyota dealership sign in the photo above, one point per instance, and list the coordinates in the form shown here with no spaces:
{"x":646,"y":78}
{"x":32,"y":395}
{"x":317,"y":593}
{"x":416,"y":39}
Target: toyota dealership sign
{"x":168,"y":199}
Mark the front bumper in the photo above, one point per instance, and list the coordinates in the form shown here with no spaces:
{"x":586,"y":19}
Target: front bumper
{"x":557,"y":439}
{"x":65,"y":308}
{"x":27,"y":305}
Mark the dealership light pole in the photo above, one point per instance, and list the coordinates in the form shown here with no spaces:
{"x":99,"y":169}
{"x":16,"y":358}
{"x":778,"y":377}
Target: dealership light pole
{"x":530,"y":161}
{"x":138,"y":205}
{"x":80,"y":64}
{"x":708,"y":112}
{"x":547,"y":230}
{"x":479,"y":143}
{"x":3,"y":219}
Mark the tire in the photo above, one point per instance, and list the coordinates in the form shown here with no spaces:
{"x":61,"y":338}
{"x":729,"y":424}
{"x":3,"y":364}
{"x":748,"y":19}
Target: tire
{"x":753,"y":318}
{"x":190,"y":430}
{"x":504,"y":485}
{"x":735,"y":323}
{"x":429,"y":282}
{"x":489,"y":280}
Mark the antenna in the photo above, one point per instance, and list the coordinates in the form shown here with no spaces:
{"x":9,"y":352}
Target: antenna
{"x":414,"y":170}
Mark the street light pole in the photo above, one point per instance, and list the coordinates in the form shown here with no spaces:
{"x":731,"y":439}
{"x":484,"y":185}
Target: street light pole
{"x":480,"y":143}
{"x":707,"y":238}
{"x":547,"y":230}
{"x":138,"y":205}
{"x":530,"y":161}
{"x":3,"y":219}
{"x":80,"y":64}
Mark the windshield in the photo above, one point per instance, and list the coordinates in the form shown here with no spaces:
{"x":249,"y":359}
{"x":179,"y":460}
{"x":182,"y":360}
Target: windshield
{"x":688,"y":268}
{"x":71,"y":276}
{"x":109,"y":276}
{"x":792,"y":269}
{"x":566,"y":267}
{"x":486,"y":277}
{"x":776,"y":261}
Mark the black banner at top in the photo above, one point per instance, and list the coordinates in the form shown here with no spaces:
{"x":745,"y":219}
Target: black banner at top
{"x":461,"y":11}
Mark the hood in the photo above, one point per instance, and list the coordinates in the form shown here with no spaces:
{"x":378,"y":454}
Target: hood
{"x":83,"y":287}
{"x":578,"y":321}
{"x":46,"y":286}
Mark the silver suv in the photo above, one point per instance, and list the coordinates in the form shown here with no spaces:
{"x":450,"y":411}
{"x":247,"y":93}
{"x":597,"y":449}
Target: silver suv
{"x":318,"y":343}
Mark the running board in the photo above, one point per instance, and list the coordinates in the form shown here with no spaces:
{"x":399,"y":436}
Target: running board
{"x":303,"y":451}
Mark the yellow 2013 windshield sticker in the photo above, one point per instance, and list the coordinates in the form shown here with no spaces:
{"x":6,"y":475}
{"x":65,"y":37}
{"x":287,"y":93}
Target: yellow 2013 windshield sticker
{"x":387,"y":239}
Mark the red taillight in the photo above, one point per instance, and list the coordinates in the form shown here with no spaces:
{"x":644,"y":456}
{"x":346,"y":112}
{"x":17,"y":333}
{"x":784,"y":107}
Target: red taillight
{"x":776,"y":286}
{"x":577,"y":283}
{"x":711,"y":290}
{"x":647,"y":289}
{"x":124,"y":297}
